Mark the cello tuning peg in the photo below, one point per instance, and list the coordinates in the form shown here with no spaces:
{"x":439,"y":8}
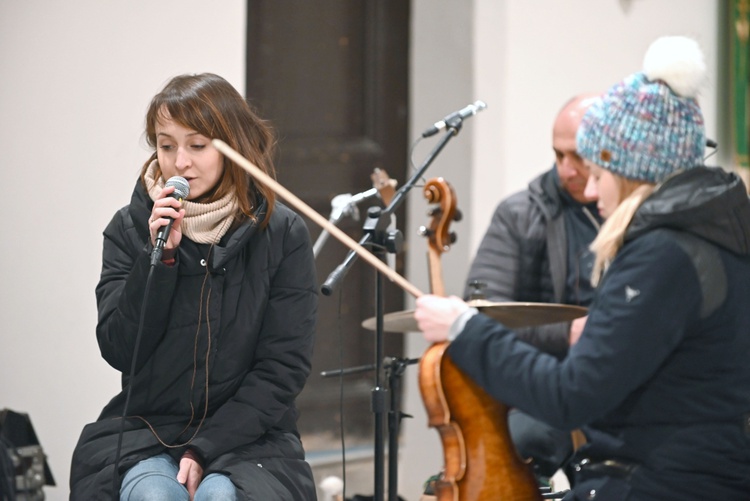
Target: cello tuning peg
{"x":458,"y":215}
{"x":453,"y":237}
{"x":423,"y":231}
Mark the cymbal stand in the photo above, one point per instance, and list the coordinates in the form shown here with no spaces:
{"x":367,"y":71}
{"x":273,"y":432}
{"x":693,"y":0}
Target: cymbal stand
{"x":394,"y":369}
{"x":379,"y":239}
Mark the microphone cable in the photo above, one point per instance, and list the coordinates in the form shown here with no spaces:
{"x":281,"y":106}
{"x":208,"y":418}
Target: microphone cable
{"x":411,"y":158}
{"x":139,"y":335}
{"x":710,"y":143}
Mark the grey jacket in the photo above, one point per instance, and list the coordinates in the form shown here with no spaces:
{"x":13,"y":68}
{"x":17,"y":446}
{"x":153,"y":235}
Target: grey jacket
{"x":523,"y":257}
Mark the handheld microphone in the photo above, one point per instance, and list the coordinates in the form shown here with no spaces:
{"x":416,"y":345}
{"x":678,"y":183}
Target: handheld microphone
{"x":459,"y":115}
{"x":181,"y":192}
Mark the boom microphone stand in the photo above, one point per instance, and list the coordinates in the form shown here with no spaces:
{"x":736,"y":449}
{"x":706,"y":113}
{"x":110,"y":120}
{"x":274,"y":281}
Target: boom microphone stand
{"x":378,"y":239}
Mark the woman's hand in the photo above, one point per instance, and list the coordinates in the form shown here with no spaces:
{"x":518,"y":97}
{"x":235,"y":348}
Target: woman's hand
{"x":190,"y":474}
{"x":166,"y":207}
{"x":576,"y":329}
{"x":436,"y":314}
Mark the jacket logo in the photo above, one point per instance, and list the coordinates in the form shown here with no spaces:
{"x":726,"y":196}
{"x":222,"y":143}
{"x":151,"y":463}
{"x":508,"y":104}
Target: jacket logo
{"x":631,"y":293}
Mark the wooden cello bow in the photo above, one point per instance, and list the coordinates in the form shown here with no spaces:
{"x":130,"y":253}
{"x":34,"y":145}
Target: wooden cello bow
{"x":480,"y":460}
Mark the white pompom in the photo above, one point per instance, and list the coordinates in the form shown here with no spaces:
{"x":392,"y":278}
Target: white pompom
{"x":332,"y":486}
{"x":678,"y":61}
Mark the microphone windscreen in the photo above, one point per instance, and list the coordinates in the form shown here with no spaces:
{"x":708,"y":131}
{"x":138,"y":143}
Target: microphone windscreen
{"x":181,"y":187}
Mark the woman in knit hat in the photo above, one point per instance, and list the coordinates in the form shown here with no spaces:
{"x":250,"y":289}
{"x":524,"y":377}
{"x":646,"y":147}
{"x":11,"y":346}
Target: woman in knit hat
{"x":207,"y":304}
{"x":659,"y":379}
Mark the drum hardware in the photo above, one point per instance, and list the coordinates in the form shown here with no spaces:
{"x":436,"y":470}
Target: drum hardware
{"x":394,"y":369}
{"x":477,"y":289}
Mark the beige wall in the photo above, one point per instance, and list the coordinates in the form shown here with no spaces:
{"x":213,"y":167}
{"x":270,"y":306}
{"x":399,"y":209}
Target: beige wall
{"x":76,"y":77}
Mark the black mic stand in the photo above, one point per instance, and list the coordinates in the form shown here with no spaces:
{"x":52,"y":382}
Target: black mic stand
{"x":378,"y":239}
{"x":394,"y":370}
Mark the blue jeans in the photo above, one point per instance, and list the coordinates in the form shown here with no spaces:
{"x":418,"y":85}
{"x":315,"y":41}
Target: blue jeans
{"x":155,"y":479}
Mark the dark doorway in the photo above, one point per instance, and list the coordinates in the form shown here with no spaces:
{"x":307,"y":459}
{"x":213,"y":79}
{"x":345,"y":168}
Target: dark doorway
{"x":332,"y":77}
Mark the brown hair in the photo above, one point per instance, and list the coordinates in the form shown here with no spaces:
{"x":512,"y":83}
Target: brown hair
{"x":209,"y":105}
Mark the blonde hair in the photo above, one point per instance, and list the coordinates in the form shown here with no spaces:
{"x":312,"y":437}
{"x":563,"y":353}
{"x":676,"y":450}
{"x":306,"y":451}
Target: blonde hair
{"x":608,"y":242}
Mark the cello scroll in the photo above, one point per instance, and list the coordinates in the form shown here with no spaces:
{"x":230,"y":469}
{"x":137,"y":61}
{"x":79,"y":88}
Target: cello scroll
{"x":440,"y":238}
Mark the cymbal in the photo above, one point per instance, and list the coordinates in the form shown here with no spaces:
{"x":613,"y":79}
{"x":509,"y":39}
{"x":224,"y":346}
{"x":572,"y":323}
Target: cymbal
{"x":510,"y":314}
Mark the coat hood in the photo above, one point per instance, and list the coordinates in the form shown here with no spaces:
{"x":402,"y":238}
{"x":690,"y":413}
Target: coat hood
{"x":708,"y":202}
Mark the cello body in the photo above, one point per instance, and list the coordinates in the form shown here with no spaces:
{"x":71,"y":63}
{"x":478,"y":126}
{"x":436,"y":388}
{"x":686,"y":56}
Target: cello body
{"x":481,"y":462}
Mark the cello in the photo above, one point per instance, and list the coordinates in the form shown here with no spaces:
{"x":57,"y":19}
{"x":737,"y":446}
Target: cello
{"x":480,"y":460}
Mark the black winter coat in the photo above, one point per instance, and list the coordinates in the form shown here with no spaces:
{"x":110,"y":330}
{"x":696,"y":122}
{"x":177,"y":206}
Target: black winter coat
{"x":246,"y":310}
{"x":660,"y":375}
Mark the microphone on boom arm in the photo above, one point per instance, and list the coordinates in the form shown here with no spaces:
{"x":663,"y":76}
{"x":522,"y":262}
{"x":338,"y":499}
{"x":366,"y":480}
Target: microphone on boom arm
{"x":455,"y":118}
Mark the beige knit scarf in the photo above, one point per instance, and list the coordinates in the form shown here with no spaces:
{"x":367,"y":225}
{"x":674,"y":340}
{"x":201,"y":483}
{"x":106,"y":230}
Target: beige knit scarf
{"x":203,"y":223}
